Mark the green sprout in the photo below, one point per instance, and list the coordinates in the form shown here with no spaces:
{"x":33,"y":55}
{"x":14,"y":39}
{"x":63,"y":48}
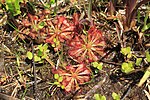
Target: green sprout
{"x":115,"y":96}
{"x":56,"y":42}
{"x":99,"y":97}
{"x":40,"y":55}
{"x":58,"y":81}
{"x":97,"y":65}
{"x":147,"y":56}
{"x":13,"y":6}
{"x":138,"y":61}
{"x":127,"y":52}
{"x":127,"y":67}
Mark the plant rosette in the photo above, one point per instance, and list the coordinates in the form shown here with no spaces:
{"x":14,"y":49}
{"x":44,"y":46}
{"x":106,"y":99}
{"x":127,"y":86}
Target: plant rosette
{"x":87,"y":47}
{"x":34,"y":25}
{"x":59,"y":30}
{"x":73,"y":76}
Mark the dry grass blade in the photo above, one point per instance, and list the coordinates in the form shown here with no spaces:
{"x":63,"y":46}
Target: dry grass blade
{"x":131,"y":4}
{"x":93,"y":90}
{"x":5,"y":48}
{"x":7,"y":97}
{"x":145,"y":77}
{"x":112,"y":8}
{"x":147,"y":94}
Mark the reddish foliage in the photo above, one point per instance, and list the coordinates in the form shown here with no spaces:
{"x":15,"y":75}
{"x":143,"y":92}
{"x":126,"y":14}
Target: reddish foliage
{"x":73,"y":75}
{"x":61,"y":29}
{"x":32,"y":26}
{"x":87,"y":47}
{"x":77,"y":23}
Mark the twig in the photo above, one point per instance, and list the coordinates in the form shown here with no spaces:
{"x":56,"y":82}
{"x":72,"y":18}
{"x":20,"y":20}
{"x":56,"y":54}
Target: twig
{"x":127,"y":93}
{"x":34,"y":73}
{"x":7,"y":97}
{"x":93,"y":90}
{"x":109,"y":62}
{"x":147,"y":94}
{"x":15,"y":90}
{"x":50,"y":61}
{"x":89,"y":9}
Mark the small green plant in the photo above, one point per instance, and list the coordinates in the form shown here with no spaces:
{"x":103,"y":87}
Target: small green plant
{"x":40,"y":55}
{"x":13,"y":6}
{"x":146,"y":24}
{"x":127,"y":52}
{"x":99,"y":97}
{"x":97,"y":65}
{"x":58,"y":81}
{"x":56,"y":44}
{"x":147,"y":56}
{"x":138,"y":61}
{"x":127,"y":67}
{"x":115,"y":96}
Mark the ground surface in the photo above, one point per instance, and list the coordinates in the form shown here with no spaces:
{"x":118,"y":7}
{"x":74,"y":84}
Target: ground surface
{"x":17,"y":80}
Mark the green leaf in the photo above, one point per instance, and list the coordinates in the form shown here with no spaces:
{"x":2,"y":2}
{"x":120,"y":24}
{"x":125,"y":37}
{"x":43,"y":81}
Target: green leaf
{"x":146,"y":26}
{"x":40,"y":62}
{"x":13,"y":6}
{"x":129,"y":55}
{"x":53,"y":45}
{"x":100,"y":66}
{"x":52,"y":1}
{"x":138,"y":16}
{"x":29,"y":55}
{"x":41,"y":25}
{"x":126,"y":50}
{"x":62,"y":86}
{"x":36,"y":58}
{"x":40,"y":47}
{"x":115,"y":96}
{"x":147,"y":34}
{"x":145,"y":77}
{"x":127,"y":67}
{"x":95,"y":64}
{"x":60,"y":79}
{"x":147,"y":56}
{"x":99,"y":97}
{"x":40,"y":53}
{"x":56,"y":76}
{"x":138,"y":61}
{"x":57,"y":43}
{"x":44,"y":56}
{"x":45,"y":47}
{"x":102,"y":97}
{"x":57,"y":83}
{"x":54,"y":40}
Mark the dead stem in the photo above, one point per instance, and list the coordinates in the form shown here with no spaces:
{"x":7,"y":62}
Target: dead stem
{"x":93,"y":90}
{"x":34,"y":73}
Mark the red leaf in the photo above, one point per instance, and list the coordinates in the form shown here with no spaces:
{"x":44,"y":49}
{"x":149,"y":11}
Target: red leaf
{"x":87,"y":47}
{"x":61,"y":29}
{"x":73,"y":76}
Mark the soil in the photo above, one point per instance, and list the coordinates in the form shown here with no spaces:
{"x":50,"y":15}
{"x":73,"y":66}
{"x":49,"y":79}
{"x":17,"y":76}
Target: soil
{"x":106,"y":81}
